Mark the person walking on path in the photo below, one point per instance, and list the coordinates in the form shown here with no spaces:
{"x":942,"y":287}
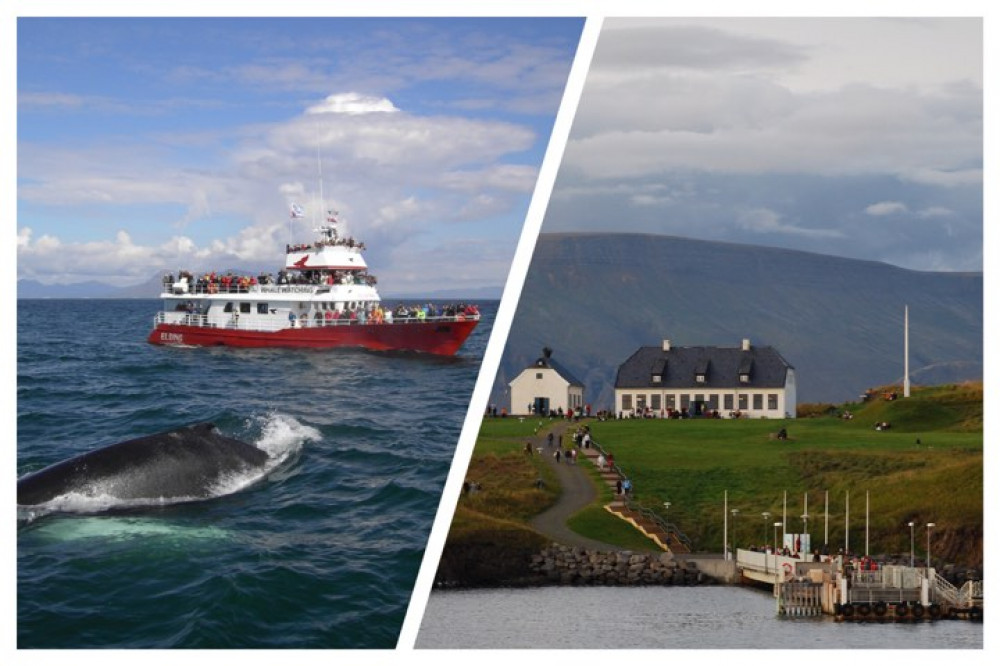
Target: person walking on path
{"x":577,"y":491}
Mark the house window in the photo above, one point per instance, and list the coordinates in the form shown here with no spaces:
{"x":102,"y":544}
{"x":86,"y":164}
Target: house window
{"x":744,"y":403}
{"x":626,"y":401}
{"x":657,"y":379}
{"x":685,"y":401}
{"x":772,"y":401}
{"x":727,"y":401}
{"x":538,"y":375}
{"x":713,"y":402}
{"x":758,"y":401}
{"x":700,"y":379}
{"x":654,"y":402}
{"x":744,"y":378}
{"x":671,"y":401}
{"x":640,"y":402}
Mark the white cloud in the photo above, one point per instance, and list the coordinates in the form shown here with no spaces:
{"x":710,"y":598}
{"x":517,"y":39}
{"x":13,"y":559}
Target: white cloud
{"x":883,"y":208}
{"x":353,"y":104}
{"x":734,"y":96}
{"x":393,"y":175}
{"x":766,"y":221}
{"x":935,"y":211}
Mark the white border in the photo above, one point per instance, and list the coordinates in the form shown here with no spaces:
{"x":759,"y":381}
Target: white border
{"x":595,"y":10}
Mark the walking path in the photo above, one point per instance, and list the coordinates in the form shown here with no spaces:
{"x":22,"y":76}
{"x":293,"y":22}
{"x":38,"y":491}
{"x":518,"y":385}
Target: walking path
{"x":578,"y":492}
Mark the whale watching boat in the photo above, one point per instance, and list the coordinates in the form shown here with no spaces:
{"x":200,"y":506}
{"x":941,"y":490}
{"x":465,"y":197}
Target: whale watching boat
{"x":324,"y":297}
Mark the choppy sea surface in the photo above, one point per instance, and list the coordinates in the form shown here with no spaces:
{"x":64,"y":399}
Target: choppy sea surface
{"x":320,"y":553}
{"x":716,"y":617}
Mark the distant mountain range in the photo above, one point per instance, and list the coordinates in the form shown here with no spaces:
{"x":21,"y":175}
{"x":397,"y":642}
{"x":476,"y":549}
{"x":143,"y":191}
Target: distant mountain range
{"x":151,"y":289}
{"x":596,"y":298}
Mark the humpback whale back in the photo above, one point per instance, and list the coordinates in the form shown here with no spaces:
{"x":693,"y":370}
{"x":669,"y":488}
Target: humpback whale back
{"x":184,"y":464}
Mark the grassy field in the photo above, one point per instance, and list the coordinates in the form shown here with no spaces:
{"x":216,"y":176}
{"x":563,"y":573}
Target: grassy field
{"x":928,"y":467}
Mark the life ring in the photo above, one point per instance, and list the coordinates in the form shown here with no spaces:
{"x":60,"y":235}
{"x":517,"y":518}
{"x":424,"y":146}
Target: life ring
{"x":787,"y":568}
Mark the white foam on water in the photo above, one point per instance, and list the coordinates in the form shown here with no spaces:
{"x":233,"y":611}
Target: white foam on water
{"x":124,"y":528}
{"x":282,"y":436}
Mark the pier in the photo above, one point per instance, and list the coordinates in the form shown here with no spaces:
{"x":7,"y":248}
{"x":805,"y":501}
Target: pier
{"x":890,"y":593}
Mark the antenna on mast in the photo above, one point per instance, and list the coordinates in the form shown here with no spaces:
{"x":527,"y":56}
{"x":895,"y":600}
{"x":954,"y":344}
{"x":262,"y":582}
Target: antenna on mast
{"x":319,"y":174}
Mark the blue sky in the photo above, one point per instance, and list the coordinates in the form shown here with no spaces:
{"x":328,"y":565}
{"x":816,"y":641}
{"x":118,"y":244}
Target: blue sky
{"x":164,"y":143}
{"x":856,"y":137}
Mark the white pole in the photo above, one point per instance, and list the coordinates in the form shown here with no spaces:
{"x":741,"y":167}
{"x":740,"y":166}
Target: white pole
{"x":725,"y":523}
{"x":847,"y":522}
{"x":906,"y":351}
{"x":866,"y":523}
{"x":784,"y":518}
{"x":826,"y":519}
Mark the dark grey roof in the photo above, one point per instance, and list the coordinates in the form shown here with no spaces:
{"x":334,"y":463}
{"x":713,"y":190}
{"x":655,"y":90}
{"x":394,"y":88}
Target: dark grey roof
{"x":721,"y":366}
{"x":546,"y":361}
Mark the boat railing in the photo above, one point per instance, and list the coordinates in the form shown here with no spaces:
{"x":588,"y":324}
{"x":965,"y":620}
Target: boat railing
{"x":254,"y":322}
{"x":291,"y":288}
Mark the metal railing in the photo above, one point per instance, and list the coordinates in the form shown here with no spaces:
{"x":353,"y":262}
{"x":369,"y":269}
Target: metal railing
{"x":253,"y":322}
{"x":669,"y":528}
{"x":969,"y":595}
{"x":200,"y":289}
{"x":630,"y":503}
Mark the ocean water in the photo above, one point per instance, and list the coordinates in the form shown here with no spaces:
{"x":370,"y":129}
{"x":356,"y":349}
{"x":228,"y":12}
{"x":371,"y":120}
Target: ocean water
{"x":321,"y":552}
{"x":716,"y":617}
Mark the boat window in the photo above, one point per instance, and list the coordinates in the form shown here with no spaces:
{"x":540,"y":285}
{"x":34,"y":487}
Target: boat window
{"x":229,"y":307}
{"x":244,"y":308}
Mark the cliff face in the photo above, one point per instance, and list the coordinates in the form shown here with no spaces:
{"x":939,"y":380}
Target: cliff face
{"x":596,"y":298}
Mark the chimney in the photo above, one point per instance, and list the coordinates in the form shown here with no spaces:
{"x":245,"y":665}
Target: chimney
{"x":666,"y":345}
{"x":746,"y":344}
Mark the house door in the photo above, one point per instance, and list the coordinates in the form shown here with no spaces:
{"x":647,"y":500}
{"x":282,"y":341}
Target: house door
{"x":542,"y":406}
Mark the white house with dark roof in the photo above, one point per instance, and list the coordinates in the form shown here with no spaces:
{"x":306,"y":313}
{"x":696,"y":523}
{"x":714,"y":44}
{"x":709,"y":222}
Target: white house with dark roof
{"x":545,"y":386}
{"x":749,"y":381}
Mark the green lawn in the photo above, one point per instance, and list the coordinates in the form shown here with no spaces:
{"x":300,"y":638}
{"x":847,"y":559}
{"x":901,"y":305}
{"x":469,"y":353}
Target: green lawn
{"x":926,"y":468}
{"x":693,"y":463}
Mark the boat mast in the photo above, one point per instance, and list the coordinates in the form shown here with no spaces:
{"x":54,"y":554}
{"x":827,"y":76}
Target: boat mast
{"x":319,"y":174}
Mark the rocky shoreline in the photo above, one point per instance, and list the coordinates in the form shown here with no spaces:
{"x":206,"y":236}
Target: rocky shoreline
{"x":565,"y":565}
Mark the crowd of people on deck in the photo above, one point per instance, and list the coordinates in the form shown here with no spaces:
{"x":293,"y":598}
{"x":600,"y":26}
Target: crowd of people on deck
{"x":376,"y":313}
{"x":232,"y":283}
{"x":325,"y":242}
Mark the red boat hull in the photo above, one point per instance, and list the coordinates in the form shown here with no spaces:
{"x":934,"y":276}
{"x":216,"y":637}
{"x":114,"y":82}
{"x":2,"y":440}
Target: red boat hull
{"x":442,"y":338}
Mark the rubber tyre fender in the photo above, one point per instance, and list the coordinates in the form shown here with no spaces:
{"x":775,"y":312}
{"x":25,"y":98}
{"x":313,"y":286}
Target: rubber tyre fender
{"x":918,"y":611}
{"x":848,"y":610}
{"x":934,"y":611}
{"x":902,"y":610}
{"x":880,"y":608}
{"x":864,"y":610}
